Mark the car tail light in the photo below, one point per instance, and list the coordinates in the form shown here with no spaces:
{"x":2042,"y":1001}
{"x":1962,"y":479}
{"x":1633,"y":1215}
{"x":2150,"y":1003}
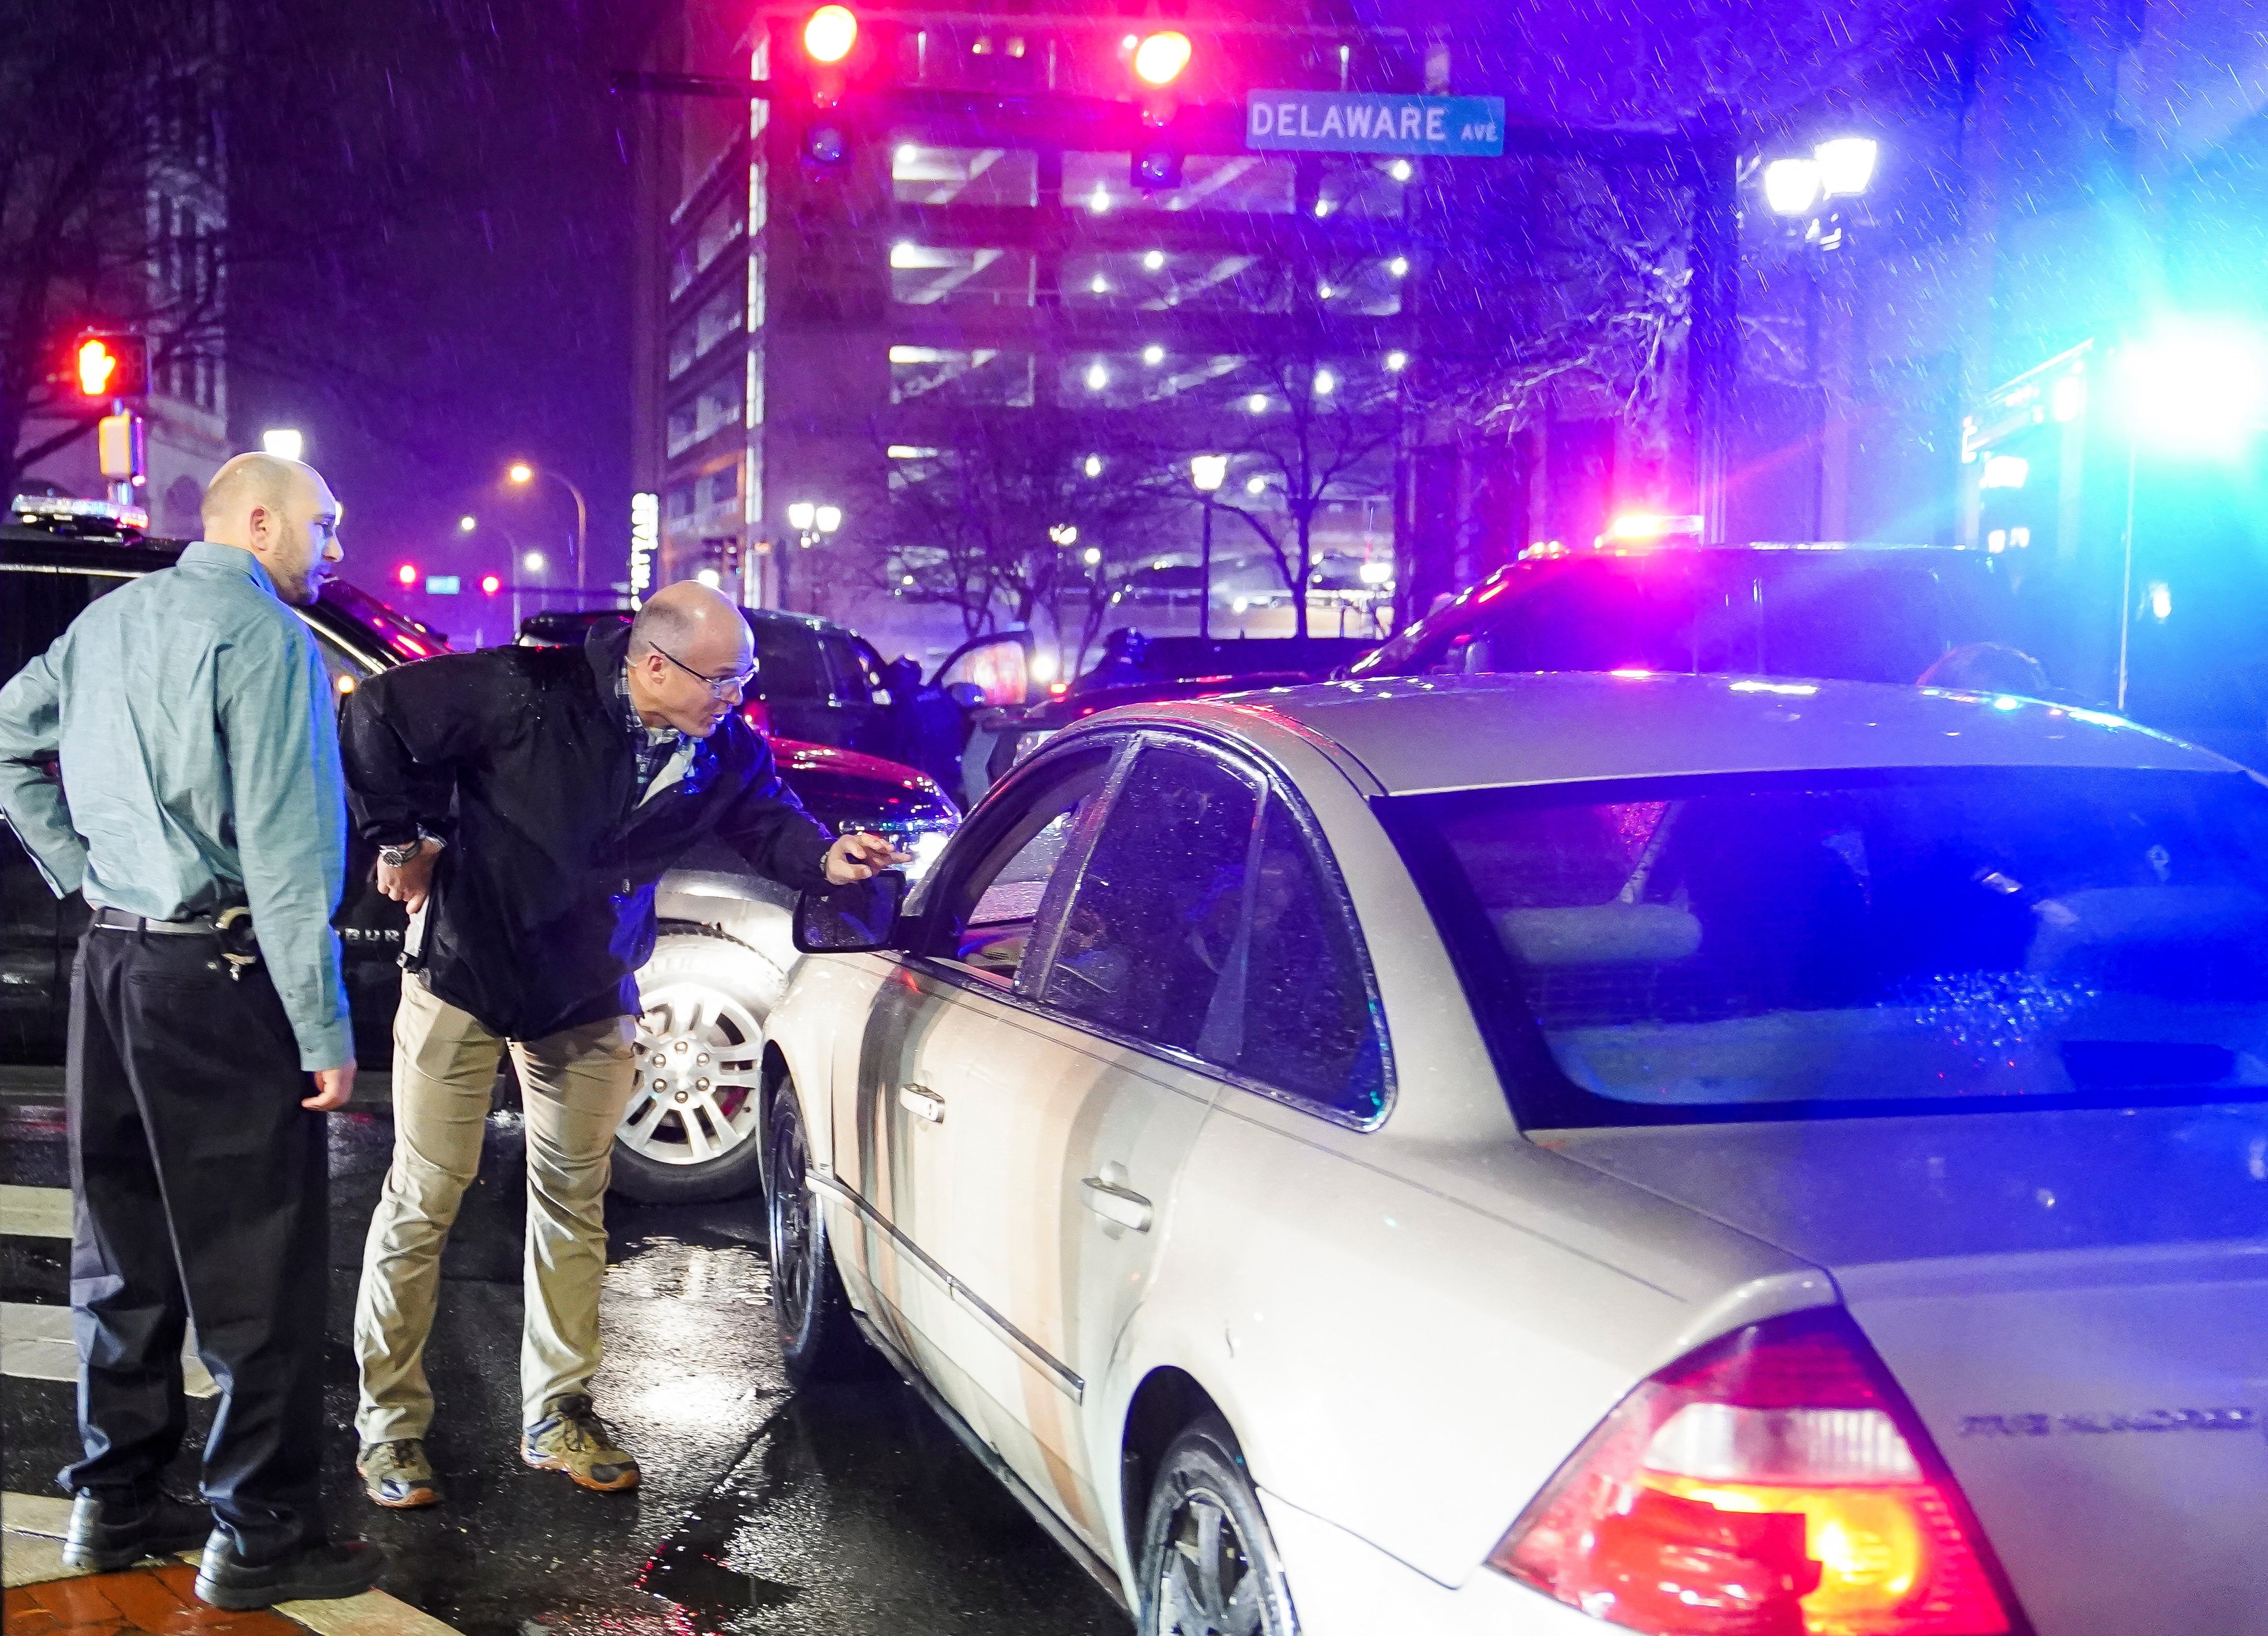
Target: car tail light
{"x":1775,"y":1483}
{"x":753,"y":713}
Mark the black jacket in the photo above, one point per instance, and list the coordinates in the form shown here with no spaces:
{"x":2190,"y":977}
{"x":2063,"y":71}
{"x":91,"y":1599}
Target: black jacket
{"x":519,"y":757}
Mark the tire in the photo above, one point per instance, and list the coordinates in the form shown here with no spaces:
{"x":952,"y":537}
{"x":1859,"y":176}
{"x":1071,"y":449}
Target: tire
{"x":819,"y":1338}
{"x":1209,"y":1563}
{"x":691,"y":1132}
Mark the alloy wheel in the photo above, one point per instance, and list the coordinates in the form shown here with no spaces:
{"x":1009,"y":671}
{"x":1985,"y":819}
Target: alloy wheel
{"x":694,"y":1097}
{"x":1207,"y":1585}
{"x":789,"y":1202}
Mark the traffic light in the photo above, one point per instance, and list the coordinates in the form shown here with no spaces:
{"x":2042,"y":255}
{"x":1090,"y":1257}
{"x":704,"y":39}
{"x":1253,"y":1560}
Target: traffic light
{"x":109,"y":365}
{"x":1159,"y":60}
{"x":490,"y":585}
{"x":406,"y":576}
{"x":832,"y":55}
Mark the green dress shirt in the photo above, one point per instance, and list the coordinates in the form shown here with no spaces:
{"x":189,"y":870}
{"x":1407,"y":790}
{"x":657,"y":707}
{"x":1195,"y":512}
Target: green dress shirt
{"x":193,"y":724}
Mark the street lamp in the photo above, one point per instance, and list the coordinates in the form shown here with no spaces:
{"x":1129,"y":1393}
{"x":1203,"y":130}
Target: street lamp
{"x":522,"y":473}
{"x":284,"y":442}
{"x":1807,"y":191}
{"x":1208,"y":472}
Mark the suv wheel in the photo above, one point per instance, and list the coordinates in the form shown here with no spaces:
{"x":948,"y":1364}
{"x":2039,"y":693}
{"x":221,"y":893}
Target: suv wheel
{"x":691,"y":1133}
{"x":1209,"y":1564}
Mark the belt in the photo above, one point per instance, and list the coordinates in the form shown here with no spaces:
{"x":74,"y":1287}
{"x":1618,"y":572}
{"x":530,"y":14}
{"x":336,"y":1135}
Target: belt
{"x":119,"y":920}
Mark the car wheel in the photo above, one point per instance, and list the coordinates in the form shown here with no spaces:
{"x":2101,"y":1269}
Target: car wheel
{"x":690,"y":1131}
{"x":819,"y":1338}
{"x":1209,"y":1564}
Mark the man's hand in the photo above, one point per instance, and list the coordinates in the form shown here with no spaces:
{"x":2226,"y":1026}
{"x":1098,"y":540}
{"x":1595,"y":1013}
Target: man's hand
{"x":860,"y":857}
{"x":410,"y":882}
{"x":334,"y":1089}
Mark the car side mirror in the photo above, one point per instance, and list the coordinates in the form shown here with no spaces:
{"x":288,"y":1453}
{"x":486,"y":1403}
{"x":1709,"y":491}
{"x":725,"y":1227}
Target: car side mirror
{"x":849,"y":920}
{"x":967,"y":694}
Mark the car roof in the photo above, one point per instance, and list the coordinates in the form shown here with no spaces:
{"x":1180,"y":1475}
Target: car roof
{"x":1422,"y":733}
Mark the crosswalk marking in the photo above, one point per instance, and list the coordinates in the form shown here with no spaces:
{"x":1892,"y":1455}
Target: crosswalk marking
{"x":35,"y":1211}
{"x":36,"y":1341}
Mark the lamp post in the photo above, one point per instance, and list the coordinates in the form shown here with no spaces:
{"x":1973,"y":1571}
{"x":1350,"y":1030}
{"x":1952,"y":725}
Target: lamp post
{"x":523,"y":473}
{"x":469,"y":524}
{"x":811,"y":522}
{"x":1208,"y":472}
{"x":1807,"y":191}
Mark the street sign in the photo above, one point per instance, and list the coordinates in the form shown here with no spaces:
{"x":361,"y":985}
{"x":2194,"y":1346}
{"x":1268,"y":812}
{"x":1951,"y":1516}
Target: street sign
{"x":443,"y":584}
{"x":1353,"y":122}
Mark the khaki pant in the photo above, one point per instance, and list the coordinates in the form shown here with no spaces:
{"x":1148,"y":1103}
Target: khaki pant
{"x":574,"y":1086}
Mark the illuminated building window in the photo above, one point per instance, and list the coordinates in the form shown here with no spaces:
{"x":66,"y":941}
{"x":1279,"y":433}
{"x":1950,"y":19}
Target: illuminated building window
{"x":977,"y":375}
{"x":926,"y":274}
{"x":922,"y":174}
{"x":1245,"y":184}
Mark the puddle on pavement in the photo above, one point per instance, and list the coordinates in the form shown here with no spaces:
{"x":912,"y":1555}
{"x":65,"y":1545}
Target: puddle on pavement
{"x":691,"y":1573}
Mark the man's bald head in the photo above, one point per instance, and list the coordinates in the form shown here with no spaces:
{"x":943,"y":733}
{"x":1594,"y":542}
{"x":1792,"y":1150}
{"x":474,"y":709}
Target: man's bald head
{"x":283,"y":512}
{"x":677,"y":618}
{"x":685,"y":637}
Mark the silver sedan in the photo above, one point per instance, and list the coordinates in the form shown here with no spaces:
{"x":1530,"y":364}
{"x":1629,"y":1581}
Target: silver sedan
{"x":1545,"y":1153}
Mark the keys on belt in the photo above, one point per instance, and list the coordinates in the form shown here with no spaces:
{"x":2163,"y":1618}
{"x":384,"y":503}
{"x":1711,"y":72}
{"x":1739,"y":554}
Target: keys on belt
{"x":232,"y":925}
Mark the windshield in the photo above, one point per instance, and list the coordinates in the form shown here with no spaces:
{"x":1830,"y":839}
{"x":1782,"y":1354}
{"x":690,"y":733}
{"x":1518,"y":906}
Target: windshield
{"x":1816,"y":945}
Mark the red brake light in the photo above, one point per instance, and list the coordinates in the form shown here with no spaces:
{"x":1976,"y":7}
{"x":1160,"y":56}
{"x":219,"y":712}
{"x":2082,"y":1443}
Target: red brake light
{"x":1775,"y":1483}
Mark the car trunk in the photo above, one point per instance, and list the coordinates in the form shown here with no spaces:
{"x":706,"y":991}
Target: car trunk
{"x":2077,"y":1303}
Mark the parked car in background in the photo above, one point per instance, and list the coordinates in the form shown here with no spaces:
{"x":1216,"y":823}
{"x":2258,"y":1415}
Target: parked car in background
{"x":719,"y":964}
{"x":1857,"y":612}
{"x":1571,"y":1153}
{"x":819,"y":682}
{"x":1135,"y":669}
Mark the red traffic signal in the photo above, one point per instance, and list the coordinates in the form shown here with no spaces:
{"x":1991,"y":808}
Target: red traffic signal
{"x":1160,"y":58}
{"x":407,"y":574}
{"x":105,"y":365}
{"x":490,"y":585}
{"x":830,"y":34}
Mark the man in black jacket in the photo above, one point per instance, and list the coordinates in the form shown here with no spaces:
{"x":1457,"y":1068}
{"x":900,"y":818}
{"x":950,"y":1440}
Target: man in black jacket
{"x":525,"y":800}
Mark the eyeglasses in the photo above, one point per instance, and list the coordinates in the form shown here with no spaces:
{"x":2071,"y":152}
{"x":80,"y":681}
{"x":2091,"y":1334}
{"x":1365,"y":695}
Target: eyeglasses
{"x":718,"y":687}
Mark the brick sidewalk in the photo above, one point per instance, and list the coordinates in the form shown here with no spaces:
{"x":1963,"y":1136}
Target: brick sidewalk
{"x":44,"y":1598}
{"x":156,"y":1599}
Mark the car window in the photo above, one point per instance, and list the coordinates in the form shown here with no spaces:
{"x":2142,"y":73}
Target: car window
{"x":993,"y":908}
{"x":35,"y":608}
{"x":1309,"y":1027}
{"x":848,"y":680}
{"x":1833,"y":943}
{"x":1154,"y":942}
{"x":346,"y":673}
{"x":788,"y":665}
{"x":997,"y":666}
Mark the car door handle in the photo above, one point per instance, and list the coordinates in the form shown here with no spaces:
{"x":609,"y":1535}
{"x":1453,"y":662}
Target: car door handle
{"x":1113,"y":1202}
{"x":921,"y":1102}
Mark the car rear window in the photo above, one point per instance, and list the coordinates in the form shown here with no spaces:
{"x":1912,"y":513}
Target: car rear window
{"x":1819,"y":945}
{"x":788,"y":665}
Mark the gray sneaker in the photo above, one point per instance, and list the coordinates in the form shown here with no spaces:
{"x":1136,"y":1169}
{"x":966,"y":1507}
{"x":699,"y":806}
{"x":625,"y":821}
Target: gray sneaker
{"x":570,"y":1438}
{"x":398,"y":1476}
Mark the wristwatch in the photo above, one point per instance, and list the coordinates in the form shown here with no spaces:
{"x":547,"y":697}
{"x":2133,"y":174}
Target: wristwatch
{"x":395,"y":857}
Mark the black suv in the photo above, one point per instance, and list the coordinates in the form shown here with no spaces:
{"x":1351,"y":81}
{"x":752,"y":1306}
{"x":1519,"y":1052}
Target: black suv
{"x":720,"y":964}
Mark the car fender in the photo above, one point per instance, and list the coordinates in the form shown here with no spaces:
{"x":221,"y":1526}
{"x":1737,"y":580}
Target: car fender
{"x":1412,"y":1366}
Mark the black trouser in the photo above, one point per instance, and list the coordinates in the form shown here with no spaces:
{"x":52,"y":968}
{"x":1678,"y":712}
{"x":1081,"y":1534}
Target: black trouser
{"x":200,"y":1191}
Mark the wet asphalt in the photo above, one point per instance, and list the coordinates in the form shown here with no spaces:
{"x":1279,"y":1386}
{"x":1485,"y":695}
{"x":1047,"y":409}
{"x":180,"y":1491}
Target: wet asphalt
{"x":841,"y":1512}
